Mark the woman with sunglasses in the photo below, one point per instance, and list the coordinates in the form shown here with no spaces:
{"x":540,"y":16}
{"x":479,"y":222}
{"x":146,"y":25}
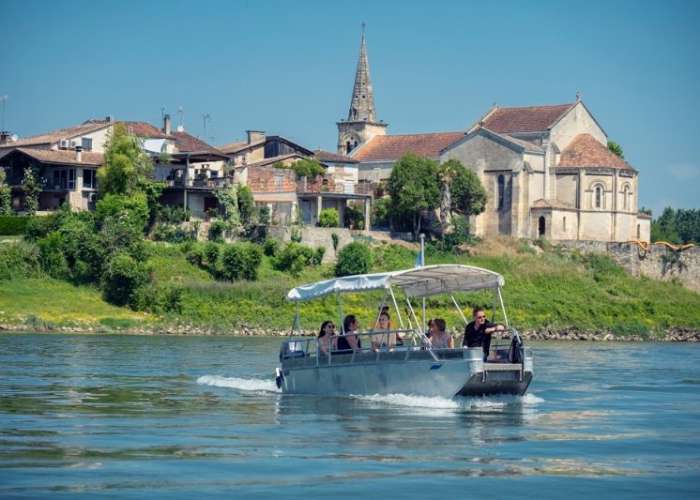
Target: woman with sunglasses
{"x":325,"y":335}
{"x":478,"y":332}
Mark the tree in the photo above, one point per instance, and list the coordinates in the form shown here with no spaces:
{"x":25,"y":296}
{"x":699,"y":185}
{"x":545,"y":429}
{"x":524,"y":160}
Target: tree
{"x":228,"y":199}
{"x":664,"y":228}
{"x":127,"y":167}
{"x":5,"y":195}
{"x":468,"y":195}
{"x":246,"y":205}
{"x":354,"y":258}
{"x":414,"y":188}
{"x":616,"y":149}
{"x":31,"y":188}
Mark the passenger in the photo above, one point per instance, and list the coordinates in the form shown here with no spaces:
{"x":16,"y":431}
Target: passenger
{"x":325,"y":336}
{"x":348,"y":340}
{"x":384,"y":337}
{"x":439,"y":338}
{"x":431,"y":325}
{"x":478,"y":332}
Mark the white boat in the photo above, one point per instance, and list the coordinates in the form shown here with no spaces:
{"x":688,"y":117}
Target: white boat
{"x":414,"y":368}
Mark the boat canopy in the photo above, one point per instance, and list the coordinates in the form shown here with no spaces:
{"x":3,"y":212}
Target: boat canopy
{"x":417,"y":282}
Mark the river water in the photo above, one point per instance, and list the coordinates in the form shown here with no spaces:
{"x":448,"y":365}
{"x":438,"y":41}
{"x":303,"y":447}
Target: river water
{"x":186,"y":417}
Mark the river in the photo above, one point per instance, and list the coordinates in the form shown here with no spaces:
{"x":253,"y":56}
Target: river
{"x":105,"y":416}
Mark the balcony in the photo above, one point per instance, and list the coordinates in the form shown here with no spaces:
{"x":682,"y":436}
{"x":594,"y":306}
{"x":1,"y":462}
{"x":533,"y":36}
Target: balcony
{"x":200,"y":183}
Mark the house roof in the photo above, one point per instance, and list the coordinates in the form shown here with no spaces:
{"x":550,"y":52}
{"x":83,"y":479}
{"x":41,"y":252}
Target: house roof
{"x":60,"y":157}
{"x":393,"y":147}
{"x":143,"y":129}
{"x":237,"y":147}
{"x":188,"y":143}
{"x":274,"y":159}
{"x":327,"y":156}
{"x":524,"y":119}
{"x":585,"y":151}
{"x":56,"y":135}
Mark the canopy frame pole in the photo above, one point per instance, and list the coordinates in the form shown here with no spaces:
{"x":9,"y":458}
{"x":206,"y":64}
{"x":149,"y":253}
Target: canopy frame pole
{"x":503,"y":307}
{"x":396,"y":306}
{"x":459,"y":309}
{"x":381,"y":307}
{"x":426,"y":340}
{"x":340,"y":312}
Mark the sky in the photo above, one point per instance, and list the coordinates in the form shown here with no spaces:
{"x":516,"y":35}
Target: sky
{"x":288,"y":68}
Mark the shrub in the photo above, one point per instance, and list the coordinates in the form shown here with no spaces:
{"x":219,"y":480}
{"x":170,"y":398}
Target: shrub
{"x":381,"y":212}
{"x":211,"y":252}
{"x":241,"y":260}
{"x":171,"y":233}
{"x":163,"y":299}
{"x":173,"y":214}
{"x":38,"y":227}
{"x":120,"y":235}
{"x":335,"y":239}
{"x":329,"y":218}
{"x":53,"y":262}
{"x":264,"y":215}
{"x":217,"y":230}
{"x":13,"y":224}
{"x":317,"y":257}
{"x":295,"y":235}
{"x":270,"y":247}
{"x":196,"y":255}
{"x":133,"y":210}
{"x":19,"y":260}
{"x":354,"y":258}
{"x":123,"y":279}
{"x":82,"y":248}
{"x":354,"y":217}
{"x":293,"y":258}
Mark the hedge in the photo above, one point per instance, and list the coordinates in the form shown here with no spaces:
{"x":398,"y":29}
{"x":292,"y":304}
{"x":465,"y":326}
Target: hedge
{"x":13,"y":224}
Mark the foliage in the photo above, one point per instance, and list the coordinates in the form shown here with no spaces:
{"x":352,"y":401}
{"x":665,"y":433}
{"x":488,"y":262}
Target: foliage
{"x":5,"y":195}
{"x":458,"y":236}
{"x":317,"y":257}
{"x":354,"y":258}
{"x":354,"y":217}
{"x":246,"y":205}
{"x":677,"y":226}
{"x":329,"y":218}
{"x":31,"y":188}
{"x":196,"y":255}
{"x":335,"y":239}
{"x":228,"y":201}
{"x":304,"y":168}
{"x":264,"y":215}
{"x":293,"y":258}
{"x":51,"y":256}
{"x":170,"y":214}
{"x":413,"y":187}
{"x":217,"y":229}
{"x":13,"y":224}
{"x":173,"y":233}
{"x":19,"y":260}
{"x":270,"y":247}
{"x":123,"y":279}
{"x":38,"y":227}
{"x":127,"y":168}
{"x":468,"y":195}
{"x":241,"y":261}
{"x":295,"y":234}
{"x":381,"y":212}
{"x":132,"y":210}
{"x":211,"y":253}
{"x":616,"y":149}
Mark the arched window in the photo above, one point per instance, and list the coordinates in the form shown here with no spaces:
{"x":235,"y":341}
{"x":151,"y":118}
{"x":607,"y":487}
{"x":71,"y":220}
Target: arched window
{"x":348,"y":147}
{"x":564,"y":224}
{"x":541,"y":226}
{"x":598,"y":193}
{"x":501,"y":191}
{"x":626,"y":197}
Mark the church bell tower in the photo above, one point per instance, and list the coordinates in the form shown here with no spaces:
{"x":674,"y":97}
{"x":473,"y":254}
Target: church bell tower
{"x":361,"y":124}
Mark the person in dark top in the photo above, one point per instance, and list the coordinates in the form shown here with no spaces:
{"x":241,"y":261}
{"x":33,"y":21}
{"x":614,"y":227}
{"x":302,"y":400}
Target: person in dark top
{"x":348,"y":340}
{"x":478,"y":332}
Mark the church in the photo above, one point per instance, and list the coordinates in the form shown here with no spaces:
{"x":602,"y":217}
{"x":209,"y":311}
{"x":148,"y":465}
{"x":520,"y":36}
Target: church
{"x":547,"y":169}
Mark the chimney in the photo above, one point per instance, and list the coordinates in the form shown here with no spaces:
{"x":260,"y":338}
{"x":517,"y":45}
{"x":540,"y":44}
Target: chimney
{"x":5,"y":137}
{"x":78,"y":153}
{"x":109,"y":119}
{"x":255,"y":136}
{"x":180,"y":128}
{"x":166,"y":124}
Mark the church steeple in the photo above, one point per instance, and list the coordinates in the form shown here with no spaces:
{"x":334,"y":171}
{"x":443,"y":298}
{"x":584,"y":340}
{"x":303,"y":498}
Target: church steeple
{"x":362,"y":103}
{"x":361,"y":124}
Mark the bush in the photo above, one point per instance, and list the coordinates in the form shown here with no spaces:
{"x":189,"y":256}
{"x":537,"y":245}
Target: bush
{"x":354,"y":217}
{"x":293,"y":258}
{"x":329,"y":218}
{"x":38,"y":227}
{"x":133,"y":210}
{"x":196,"y":255}
{"x":381,"y":212}
{"x":123,"y":279}
{"x":270,"y":247}
{"x":165,"y":299}
{"x":241,"y":260}
{"x":217,"y":230}
{"x":19,"y":260}
{"x":295,"y":235}
{"x":173,"y":214}
{"x":264,"y":215}
{"x":82,"y":248}
{"x":211,"y":252}
{"x":13,"y":224}
{"x":53,"y":262}
{"x":317,"y":258}
{"x":354,"y":258}
{"x":171,"y":233}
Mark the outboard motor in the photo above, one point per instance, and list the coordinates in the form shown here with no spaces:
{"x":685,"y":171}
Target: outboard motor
{"x":279,"y":378}
{"x":516,"y":352}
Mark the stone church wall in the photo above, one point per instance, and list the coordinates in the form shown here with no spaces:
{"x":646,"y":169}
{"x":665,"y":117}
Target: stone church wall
{"x":577,"y":121}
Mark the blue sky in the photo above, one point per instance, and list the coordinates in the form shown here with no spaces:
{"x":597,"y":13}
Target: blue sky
{"x":288,"y":67}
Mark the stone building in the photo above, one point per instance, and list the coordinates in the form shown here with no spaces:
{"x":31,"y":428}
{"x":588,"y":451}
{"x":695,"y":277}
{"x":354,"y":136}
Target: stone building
{"x":547,"y":169}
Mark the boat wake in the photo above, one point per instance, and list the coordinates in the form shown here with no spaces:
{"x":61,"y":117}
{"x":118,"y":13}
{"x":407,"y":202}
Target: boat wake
{"x":241,"y":384}
{"x":457,"y":403}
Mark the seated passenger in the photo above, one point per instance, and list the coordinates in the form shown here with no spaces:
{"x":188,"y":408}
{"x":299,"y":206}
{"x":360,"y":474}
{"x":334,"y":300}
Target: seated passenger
{"x":348,"y":340}
{"x":478,"y":332}
{"x":325,"y":335}
{"x":439,"y":338}
{"x":384,"y":337}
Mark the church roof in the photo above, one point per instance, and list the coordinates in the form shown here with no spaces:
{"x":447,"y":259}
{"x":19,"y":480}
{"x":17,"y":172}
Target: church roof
{"x":362,"y":101}
{"x":327,"y":156}
{"x":585,"y":151}
{"x":393,"y":147}
{"x":524,"y":119}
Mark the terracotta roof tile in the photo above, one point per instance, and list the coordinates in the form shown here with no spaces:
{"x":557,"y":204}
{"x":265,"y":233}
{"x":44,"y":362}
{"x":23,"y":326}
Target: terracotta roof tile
{"x":60,"y":157}
{"x":393,"y":147}
{"x":187,"y":143}
{"x":327,"y":156}
{"x":525,"y":119}
{"x":586,"y":151}
{"x":236,"y":147}
{"x":143,"y":129}
{"x":56,"y":135}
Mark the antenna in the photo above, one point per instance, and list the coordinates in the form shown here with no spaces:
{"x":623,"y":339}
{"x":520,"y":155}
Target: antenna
{"x":205,"y":117}
{"x":180,"y":117}
{"x":3,"y":100}
{"x":162,"y":114}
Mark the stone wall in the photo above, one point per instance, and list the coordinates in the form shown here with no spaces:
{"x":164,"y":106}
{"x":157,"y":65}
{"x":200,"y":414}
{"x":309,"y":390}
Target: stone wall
{"x":658,"y":262}
{"x":315,"y":237}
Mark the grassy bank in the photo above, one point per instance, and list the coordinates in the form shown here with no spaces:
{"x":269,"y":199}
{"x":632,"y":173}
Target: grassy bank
{"x":544,"y":290}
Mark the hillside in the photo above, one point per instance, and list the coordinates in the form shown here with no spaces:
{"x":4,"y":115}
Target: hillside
{"x":545,"y":289}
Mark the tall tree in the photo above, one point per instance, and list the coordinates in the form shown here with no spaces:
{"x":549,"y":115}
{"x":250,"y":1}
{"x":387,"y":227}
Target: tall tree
{"x":461,"y":192}
{"x":5,"y":195}
{"x":31,"y":188}
{"x":414,"y":188}
{"x":127,"y":167}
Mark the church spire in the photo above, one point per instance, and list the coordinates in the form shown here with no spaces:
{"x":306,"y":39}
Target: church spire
{"x":362,"y":103}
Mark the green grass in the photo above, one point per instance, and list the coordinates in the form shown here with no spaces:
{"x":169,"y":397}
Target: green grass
{"x":549,"y":290}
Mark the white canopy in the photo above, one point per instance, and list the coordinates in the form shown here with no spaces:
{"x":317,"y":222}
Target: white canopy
{"x":418,"y":282}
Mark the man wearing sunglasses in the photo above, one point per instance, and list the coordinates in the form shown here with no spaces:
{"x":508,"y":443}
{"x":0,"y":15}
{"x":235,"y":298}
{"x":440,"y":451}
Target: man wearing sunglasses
{"x":478,"y":332}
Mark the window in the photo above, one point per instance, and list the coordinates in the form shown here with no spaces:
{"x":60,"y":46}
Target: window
{"x":598,"y":196}
{"x":564,"y":224}
{"x":501,"y":191}
{"x":626,"y":197}
{"x":89,"y":179}
{"x":541,"y":226}
{"x":348,"y":147}
{"x":639,"y":232}
{"x":86,"y":143}
{"x":64,"y":179}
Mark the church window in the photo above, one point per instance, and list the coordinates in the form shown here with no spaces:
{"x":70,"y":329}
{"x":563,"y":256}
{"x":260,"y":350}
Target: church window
{"x":501,"y":191}
{"x":348,"y":147}
{"x":639,"y":232}
{"x":626,"y":197}
{"x":598,"y":197}
{"x":564,"y":224}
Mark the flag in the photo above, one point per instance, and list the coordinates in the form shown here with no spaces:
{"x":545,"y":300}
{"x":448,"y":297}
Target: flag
{"x":419,"y":259}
